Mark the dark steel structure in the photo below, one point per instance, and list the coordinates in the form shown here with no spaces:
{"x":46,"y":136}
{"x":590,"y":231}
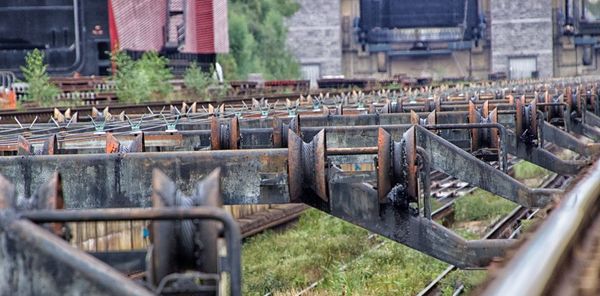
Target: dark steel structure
{"x":77,"y":36}
{"x":386,"y":23}
{"x":275,"y":154}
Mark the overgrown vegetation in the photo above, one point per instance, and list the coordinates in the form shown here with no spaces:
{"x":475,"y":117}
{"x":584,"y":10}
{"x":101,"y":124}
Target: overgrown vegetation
{"x":391,"y":269}
{"x":350,"y":263}
{"x":142,"y":80}
{"x":526,"y":170}
{"x":481,"y":205}
{"x":469,"y":279}
{"x":257,"y":36}
{"x":39,"y":89}
{"x":277,"y":262}
{"x":318,"y":246}
{"x":198,"y":81}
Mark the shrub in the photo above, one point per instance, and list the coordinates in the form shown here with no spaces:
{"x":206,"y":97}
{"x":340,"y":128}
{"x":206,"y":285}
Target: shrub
{"x":39,"y":90}
{"x":198,"y":81}
{"x":142,"y":80}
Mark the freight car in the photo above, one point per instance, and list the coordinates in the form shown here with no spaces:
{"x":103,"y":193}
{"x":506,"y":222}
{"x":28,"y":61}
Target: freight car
{"x":77,"y":36}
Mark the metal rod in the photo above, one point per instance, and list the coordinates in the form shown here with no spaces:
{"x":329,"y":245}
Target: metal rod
{"x":502,"y":158}
{"x":352,"y":151}
{"x":534,"y":266}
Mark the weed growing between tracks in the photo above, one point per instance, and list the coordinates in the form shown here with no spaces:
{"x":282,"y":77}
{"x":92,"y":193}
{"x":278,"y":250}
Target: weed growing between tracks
{"x":291,"y":260}
{"x":318,"y":246}
{"x":481,"y":206}
{"x":391,"y":269}
{"x":526,"y":170}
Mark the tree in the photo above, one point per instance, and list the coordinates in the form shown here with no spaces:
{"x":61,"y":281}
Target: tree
{"x":39,"y":89}
{"x":257,"y":37}
{"x":145,"y":79}
{"x":198,"y":81}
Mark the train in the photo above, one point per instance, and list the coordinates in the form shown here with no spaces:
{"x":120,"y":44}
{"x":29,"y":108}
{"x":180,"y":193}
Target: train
{"x":78,"y":37}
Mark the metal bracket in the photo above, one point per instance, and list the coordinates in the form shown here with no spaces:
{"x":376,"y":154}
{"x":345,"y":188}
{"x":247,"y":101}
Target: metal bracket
{"x":114,"y":146}
{"x":135,"y":126}
{"x":225,"y":135}
{"x":171,"y":126}
{"x":98,"y":126}
{"x":280,"y":131}
{"x":464,"y":166}
{"x":178,"y":246}
{"x":358,"y":203}
{"x":307,"y":167}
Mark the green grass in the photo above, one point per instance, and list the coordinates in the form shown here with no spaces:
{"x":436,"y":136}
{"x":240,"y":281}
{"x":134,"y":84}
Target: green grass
{"x":392,"y":269}
{"x":318,"y":246}
{"x":290,"y":260}
{"x":470,"y":279}
{"x":481,"y":205}
{"x":526,"y":170}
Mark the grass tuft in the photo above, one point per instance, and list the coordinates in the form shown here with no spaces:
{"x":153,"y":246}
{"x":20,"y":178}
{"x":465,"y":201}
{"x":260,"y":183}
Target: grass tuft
{"x":481,"y":205}
{"x":526,"y":170}
{"x":290,"y":260}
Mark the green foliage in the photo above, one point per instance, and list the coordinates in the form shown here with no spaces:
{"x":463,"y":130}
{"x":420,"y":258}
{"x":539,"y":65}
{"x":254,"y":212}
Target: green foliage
{"x":142,"y":80}
{"x":527,"y":170}
{"x":39,"y":90}
{"x":470,"y":279}
{"x":257,"y":36}
{"x":198,"y":81}
{"x":392,"y":269}
{"x":318,"y":246}
{"x":481,"y":205}
{"x":290,"y":260}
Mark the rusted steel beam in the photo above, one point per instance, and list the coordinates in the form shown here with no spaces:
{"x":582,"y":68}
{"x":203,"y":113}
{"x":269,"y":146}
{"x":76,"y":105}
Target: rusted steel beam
{"x":552,"y":257}
{"x":464,"y":166}
{"x":251,"y":176}
{"x":358,"y":204}
{"x":123,"y":180}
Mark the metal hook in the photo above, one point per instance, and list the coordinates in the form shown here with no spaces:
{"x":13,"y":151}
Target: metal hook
{"x":99,"y":127}
{"x":171,"y":126}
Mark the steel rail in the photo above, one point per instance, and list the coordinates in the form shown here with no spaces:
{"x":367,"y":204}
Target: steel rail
{"x":533,"y":268}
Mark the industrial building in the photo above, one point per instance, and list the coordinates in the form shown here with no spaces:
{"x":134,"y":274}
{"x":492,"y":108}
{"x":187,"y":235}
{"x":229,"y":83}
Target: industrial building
{"x":449,"y":39}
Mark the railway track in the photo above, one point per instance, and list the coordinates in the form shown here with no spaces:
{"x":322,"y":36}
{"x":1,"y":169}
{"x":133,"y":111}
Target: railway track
{"x":560,"y":258}
{"x":368,"y":164}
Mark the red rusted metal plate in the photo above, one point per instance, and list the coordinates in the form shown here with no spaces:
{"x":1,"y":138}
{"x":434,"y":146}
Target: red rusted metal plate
{"x":24,"y":147}
{"x":495,"y":138}
{"x":384,"y":162}
{"x":474,"y":132}
{"x":50,"y":146}
{"x":277,"y":133}
{"x":519,"y":116}
{"x":432,"y":118}
{"x":414,"y":118}
{"x":235,"y":134}
{"x":319,"y":144}
{"x":215,"y":133}
{"x":533,"y":124}
{"x":410,"y":136}
{"x":112,"y":144}
{"x":138,"y":143}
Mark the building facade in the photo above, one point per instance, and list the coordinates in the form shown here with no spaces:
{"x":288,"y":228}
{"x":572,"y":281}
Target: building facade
{"x":447,"y":39}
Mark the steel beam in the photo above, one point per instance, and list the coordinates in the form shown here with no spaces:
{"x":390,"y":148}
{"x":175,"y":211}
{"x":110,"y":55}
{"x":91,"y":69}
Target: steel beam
{"x":124,"y":180}
{"x":464,"y":166}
